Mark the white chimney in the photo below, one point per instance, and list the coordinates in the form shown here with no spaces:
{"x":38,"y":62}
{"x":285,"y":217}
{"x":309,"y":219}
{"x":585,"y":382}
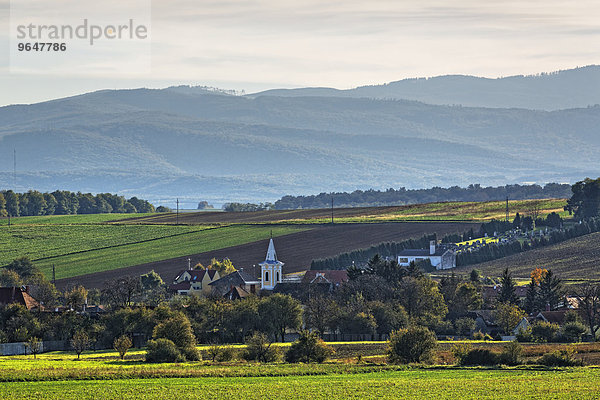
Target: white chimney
{"x":432,"y":247}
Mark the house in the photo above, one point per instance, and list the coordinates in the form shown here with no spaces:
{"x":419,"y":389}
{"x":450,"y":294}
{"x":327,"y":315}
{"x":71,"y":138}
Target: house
{"x":18,"y":295}
{"x":553,"y":317}
{"x":271,"y":269}
{"x":332,"y":277}
{"x":237,"y":293}
{"x":240,"y":279}
{"x":194,"y":282}
{"x":485,"y":321}
{"x":490,"y":293}
{"x":440,"y":258}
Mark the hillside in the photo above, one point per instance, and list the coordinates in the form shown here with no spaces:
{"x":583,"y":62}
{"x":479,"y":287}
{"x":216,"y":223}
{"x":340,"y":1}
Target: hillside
{"x":575,"y":259}
{"x":573,"y":88}
{"x":200,"y":145}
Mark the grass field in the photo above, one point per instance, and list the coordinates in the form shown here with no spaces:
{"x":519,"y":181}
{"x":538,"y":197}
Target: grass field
{"x":100,"y":374}
{"x":70,"y":219}
{"x":83,"y":249}
{"x":575,"y":259}
{"x":447,"y":211}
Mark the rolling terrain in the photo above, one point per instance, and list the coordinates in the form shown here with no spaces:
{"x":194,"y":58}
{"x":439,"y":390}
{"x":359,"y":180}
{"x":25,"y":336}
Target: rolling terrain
{"x":576,"y":259}
{"x":193,"y":144}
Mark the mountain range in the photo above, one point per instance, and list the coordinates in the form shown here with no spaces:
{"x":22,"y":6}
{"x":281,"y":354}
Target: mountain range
{"x":198,"y":144}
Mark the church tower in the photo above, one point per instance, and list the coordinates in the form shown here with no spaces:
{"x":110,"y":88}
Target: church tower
{"x":270,"y":269}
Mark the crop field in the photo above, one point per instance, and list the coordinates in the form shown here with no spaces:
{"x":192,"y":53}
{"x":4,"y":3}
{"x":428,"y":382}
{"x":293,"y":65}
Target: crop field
{"x":296,"y":249}
{"x":447,"y":211}
{"x":81,"y":249}
{"x":575,"y":259}
{"x":101,"y":374}
{"x":70,"y":219}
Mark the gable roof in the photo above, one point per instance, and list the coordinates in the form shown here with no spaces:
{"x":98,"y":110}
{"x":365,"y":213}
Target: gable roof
{"x":18,"y":295}
{"x":198,"y":274}
{"x":236,"y":293}
{"x":185,"y":285}
{"x":236,"y":278}
{"x":325,"y":276}
{"x":554,"y":317}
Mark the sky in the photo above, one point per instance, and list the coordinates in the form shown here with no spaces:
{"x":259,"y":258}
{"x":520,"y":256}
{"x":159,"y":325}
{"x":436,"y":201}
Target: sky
{"x":256,"y":45}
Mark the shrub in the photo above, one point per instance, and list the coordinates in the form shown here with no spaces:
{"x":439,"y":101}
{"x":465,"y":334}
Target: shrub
{"x":163,"y":350}
{"x":121,"y":345}
{"x":572,"y":331}
{"x":478,"y":335}
{"x":511,"y":354}
{"x":524,"y":335}
{"x":259,"y":348}
{"x":444,"y":327}
{"x":543,"y":331}
{"x":190,"y":353}
{"x":178,"y":330}
{"x":479,"y":357}
{"x":464,"y":326}
{"x":560,"y":358}
{"x":226,"y":354}
{"x":460,"y":351}
{"x":308,"y":348}
{"x":414,"y":344}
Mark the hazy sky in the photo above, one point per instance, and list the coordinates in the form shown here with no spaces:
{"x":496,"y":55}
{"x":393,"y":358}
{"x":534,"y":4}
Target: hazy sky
{"x":255,"y":45}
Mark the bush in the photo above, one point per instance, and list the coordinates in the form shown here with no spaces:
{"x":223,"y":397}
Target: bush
{"x":543,"y":331}
{"x":478,"y":357}
{"x":226,"y":354}
{"x":414,"y":344}
{"x":191,"y":353}
{"x":573,"y":331}
{"x":482,"y":336}
{"x":560,"y":358}
{"x":259,"y":348}
{"x":444,"y":327}
{"x":524,"y":335}
{"x":308,"y":348}
{"x":163,"y":350}
{"x":464,"y":326}
{"x":511,"y":354}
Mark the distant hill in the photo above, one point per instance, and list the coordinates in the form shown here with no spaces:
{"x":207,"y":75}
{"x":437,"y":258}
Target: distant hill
{"x":574,"y":88}
{"x":201,"y":144}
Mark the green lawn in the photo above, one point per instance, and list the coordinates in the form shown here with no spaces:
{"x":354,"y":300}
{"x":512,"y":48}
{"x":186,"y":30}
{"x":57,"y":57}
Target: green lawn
{"x":581,"y":383}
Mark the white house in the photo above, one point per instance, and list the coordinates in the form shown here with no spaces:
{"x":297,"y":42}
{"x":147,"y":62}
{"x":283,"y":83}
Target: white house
{"x":270,"y":269}
{"x":440,"y":258}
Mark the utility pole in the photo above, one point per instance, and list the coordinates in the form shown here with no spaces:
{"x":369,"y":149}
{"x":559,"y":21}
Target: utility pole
{"x":331,"y":209}
{"x":177,"y":218}
{"x":506,"y":208}
{"x":15,"y":169}
{"x":53,"y":275}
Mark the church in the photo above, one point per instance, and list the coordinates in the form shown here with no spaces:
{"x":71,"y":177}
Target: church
{"x":270,"y":270}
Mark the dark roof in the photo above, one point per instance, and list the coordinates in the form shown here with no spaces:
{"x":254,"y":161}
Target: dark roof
{"x":198,"y":274}
{"x":554,"y":317}
{"x":325,"y":276}
{"x":421,"y":252}
{"x":236,"y":293}
{"x":18,"y":295}
{"x":236,"y":278}
{"x":491,"y":292}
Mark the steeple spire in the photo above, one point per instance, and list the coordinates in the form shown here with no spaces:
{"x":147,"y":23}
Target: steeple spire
{"x":271,"y":254}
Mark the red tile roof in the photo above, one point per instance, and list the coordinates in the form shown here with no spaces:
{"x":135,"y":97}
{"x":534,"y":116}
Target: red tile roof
{"x":17,"y":295}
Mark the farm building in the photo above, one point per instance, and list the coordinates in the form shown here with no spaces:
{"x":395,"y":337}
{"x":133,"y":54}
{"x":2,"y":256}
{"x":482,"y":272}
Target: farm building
{"x":439,"y":257}
{"x":18,"y":295}
{"x":240,"y":279}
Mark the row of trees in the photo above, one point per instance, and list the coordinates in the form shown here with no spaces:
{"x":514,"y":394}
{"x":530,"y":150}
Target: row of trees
{"x":389,"y":197}
{"x":62,"y":202}
{"x":245,"y":207}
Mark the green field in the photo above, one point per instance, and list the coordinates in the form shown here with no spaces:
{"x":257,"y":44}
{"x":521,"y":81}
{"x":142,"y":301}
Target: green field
{"x":80,"y":249}
{"x":70,"y":219}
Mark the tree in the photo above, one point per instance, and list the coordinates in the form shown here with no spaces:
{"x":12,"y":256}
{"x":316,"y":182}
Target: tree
{"x":12,"y":203}
{"x":163,"y":350}
{"x":76,"y":297}
{"x":585,"y":201}
{"x":23,"y":266}
{"x":9,"y":278}
{"x":588,"y":296}
{"x":151,"y":280}
{"x":3,"y":212}
{"x":80,"y":342}
{"x":320,"y":313}
{"x":279,"y":312}
{"x":121,"y":292}
{"x":34,"y":346}
{"x":121,"y":345}
{"x":475,"y":277}
{"x":259,"y":348}
{"x":508,"y":316}
{"x":308,"y":348}
{"x":467,"y":298}
{"x":551,"y":292}
{"x":464,"y":326}
{"x":507,"y":289}
{"x":389,"y":316}
{"x":422,"y":299}
{"x":224,"y":267}
{"x":412,"y":345}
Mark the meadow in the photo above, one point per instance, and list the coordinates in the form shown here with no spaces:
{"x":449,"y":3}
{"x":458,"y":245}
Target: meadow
{"x":101,"y":374}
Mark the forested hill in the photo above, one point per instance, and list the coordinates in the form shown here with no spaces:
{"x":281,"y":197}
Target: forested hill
{"x":389,"y":197}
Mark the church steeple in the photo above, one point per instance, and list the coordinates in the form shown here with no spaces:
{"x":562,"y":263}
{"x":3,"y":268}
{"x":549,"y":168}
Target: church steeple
{"x":270,"y":269}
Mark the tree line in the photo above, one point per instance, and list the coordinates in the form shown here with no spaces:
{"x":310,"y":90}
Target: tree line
{"x":403,"y":196}
{"x":63,"y":202}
